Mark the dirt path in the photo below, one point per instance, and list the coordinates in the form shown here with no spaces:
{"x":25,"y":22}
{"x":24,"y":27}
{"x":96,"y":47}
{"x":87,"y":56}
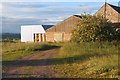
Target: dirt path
{"x":37,"y":64}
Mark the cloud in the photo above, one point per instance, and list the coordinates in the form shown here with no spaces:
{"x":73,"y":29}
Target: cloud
{"x":41,"y":13}
{"x":1,"y":6}
{"x":24,"y":5}
{"x":13,"y":24}
{"x":21,"y":8}
{"x":49,"y":10}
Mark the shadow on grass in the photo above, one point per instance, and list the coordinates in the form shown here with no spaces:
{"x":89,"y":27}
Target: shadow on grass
{"x":51,"y":61}
{"x":45,"y":47}
{"x":37,"y":48}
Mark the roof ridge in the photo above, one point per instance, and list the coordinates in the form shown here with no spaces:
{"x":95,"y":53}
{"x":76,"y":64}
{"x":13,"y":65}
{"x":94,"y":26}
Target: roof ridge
{"x":77,"y":16}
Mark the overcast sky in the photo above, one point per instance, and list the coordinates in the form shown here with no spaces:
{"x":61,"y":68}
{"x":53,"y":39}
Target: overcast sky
{"x":14,"y":14}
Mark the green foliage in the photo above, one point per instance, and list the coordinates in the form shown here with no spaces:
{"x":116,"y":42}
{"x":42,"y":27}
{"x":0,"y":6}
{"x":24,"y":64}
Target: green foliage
{"x":90,"y":49}
{"x":92,"y":28}
{"x":117,"y":35}
{"x":88,"y":60}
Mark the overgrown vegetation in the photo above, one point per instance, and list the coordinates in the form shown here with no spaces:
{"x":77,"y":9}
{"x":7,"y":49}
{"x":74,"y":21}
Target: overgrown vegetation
{"x":92,"y":28}
{"x":117,"y":35}
{"x":16,"y":50}
{"x":93,"y":51}
{"x":89,"y":60}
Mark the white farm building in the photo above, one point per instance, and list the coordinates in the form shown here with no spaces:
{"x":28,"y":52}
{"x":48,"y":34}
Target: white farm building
{"x":33,"y":33}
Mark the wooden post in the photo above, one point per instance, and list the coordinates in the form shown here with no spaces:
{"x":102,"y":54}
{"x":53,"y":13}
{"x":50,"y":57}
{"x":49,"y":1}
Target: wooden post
{"x":43,"y":38}
{"x":35,"y":37}
{"x":40,"y":38}
{"x":105,"y":9}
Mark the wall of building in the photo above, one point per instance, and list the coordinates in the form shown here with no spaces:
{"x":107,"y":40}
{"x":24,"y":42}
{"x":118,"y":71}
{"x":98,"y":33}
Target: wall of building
{"x":111,"y":14}
{"x":65,"y":26}
{"x":67,"y":36}
{"x":50,"y":36}
{"x":28,"y":31}
{"x":62,"y":29}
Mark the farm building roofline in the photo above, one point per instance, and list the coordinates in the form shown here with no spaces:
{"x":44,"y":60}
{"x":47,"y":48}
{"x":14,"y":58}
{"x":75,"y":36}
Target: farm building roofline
{"x":47,"y":26}
{"x":117,"y":8}
{"x":77,"y":16}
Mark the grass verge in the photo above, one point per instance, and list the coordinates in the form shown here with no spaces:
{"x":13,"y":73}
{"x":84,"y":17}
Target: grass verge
{"x":89,"y":60}
{"x":14,"y":51}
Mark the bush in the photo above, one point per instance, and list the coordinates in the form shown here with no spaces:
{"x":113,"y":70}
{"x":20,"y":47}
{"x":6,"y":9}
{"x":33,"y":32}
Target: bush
{"x":42,"y":47}
{"x":117,"y":35}
{"x":92,"y":28}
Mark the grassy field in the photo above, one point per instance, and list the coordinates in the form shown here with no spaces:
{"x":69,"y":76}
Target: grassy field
{"x":85,"y":60}
{"x":16,"y":50}
{"x":89,"y":60}
{"x":13,"y":51}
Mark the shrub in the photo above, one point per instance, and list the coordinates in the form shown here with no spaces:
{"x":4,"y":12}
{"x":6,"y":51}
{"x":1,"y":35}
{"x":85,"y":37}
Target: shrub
{"x":117,"y":35}
{"x":42,"y":47}
{"x":92,"y":28}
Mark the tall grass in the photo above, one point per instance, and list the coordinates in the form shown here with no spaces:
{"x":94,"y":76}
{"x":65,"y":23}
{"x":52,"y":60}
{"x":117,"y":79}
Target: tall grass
{"x":13,"y":51}
{"x":89,"y":60}
{"x":72,"y":49}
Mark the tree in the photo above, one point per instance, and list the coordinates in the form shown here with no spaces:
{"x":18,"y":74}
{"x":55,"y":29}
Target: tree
{"x":92,"y":28}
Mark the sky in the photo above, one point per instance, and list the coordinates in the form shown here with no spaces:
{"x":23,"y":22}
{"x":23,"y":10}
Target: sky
{"x":48,"y":12}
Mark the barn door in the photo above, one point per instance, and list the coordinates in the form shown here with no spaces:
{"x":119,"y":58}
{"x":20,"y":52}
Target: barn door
{"x":58,"y":37}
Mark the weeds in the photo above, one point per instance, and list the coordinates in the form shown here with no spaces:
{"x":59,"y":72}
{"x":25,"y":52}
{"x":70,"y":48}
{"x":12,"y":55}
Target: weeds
{"x":89,"y":60}
{"x":13,"y":51}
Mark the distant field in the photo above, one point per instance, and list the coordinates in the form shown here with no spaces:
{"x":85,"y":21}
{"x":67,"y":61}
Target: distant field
{"x":89,"y":60}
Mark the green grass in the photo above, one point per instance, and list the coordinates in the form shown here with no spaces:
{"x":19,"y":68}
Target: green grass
{"x":14,"y":51}
{"x":85,"y":60}
{"x":89,"y":60}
